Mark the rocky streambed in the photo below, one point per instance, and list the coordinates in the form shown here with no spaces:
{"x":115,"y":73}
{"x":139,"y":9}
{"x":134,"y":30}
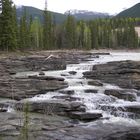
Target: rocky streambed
{"x":70,"y":96}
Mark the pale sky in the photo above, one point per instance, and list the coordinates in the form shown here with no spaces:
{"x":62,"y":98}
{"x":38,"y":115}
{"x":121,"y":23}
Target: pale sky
{"x":108,"y":6}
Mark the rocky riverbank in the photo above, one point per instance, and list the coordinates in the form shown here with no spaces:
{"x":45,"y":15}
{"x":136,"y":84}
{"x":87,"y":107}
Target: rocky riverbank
{"x":25,"y":87}
{"x":43,"y":127}
{"x":63,"y":117}
{"x":14,"y":89}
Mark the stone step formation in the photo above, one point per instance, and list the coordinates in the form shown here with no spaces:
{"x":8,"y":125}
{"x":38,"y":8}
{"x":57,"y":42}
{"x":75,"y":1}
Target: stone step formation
{"x":58,"y":103}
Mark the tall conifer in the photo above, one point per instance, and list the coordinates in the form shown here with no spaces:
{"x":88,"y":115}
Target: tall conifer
{"x":8,"y":29}
{"x":48,"y":31}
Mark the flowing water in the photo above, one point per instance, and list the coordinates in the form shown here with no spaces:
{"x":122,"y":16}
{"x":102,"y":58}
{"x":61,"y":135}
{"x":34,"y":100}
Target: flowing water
{"x":94,"y":101}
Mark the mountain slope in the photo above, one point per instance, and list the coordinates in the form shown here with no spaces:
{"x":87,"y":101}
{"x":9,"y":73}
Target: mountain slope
{"x":131,"y":12}
{"x":86,"y":15}
{"x":59,"y":18}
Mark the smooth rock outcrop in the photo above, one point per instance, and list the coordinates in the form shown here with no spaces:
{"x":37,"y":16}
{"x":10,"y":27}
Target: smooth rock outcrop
{"x":72,"y":72}
{"x":67,"y":98}
{"x":28,"y":87}
{"x":131,"y":110}
{"x":67,"y":92}
{"x":59,"y":107}
{"x":46,"y":127}
{"x":85,"y":116}
{"x":125,"y":74}
{"x":95,"y":83}
{"x":46,"y":77}
{"x":128,"y":95}
{"x":91,"y":91}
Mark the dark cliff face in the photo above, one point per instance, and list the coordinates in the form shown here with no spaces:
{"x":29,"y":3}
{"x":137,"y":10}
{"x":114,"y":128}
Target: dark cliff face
{"x":131,"y":12}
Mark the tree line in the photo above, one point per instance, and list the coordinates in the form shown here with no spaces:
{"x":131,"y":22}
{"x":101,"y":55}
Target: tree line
{"x":27,"y":33}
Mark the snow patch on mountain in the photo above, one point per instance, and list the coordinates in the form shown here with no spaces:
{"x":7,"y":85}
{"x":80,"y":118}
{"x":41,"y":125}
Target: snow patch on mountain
{"x":75,"y":12}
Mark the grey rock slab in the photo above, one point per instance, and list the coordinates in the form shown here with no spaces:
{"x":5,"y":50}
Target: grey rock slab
{"x":28,"y":87}
{"x":85,"y":116}
{"x":60,"y":107}
{"x":125,"y":74}
{"x":122,"y":94}
{"x":95,"y":83}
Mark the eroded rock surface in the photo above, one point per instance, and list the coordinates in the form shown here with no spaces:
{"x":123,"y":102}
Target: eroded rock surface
{"x":59,"y":107}
{"x":84,"y":116}
{"x":45,"y":127}
{"x":28,"y":87}
{"x":125,"y":74}
{"x":128,"y":95}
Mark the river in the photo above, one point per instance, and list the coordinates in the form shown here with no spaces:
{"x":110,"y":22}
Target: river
{"x":94,"y":101}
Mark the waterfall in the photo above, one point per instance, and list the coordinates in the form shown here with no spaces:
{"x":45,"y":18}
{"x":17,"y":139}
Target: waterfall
{"x":78,"y":67}
{"x":110,"y":106}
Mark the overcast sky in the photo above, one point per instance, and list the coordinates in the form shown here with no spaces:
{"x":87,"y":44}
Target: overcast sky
{"x":109,"y":6}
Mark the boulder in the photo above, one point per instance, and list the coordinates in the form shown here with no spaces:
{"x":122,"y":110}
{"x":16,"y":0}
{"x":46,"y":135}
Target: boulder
{"x":68,"y":92}
{"x":12,"y":72}
{"x":85,"y":116}
{"x":65,"y":74}
{"x":6,"y":104}
{"x":95,"y":83}
{"x":121,"y":94}
{"x":3,"y":109}
{"x":91,"y":91}
{"x":72,"y":72}
{"x":132,"y":111}
{"x":41,"y":73}
{"x":102,"y":53}
{"x":67,"y":98}
{"x":46,"y":77}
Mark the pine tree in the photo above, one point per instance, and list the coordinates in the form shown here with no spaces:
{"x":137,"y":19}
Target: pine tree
{"x":15,"y":25}
{"x":30,"y":32}
{"x":36,"y":33}
{"x":59,"y":37}
{"x":132,"y":37}
{"x":0,"y":6}
{"x":94,"y":35}
{"x":80,"y":34}
{"x":70,"y":32}
{"x":48,"y":31}
{"x":24,"y":32}
{"x":8,"y":27}
{"x":0,"y":22}
{"x":87,"y":38}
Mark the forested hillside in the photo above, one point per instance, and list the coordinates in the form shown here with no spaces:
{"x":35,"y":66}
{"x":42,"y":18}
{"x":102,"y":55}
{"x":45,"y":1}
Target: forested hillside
{"x":31,"y":34}
{"x":133,"y":12}
{"x":58,"y":17}
{"x":37,"y":13}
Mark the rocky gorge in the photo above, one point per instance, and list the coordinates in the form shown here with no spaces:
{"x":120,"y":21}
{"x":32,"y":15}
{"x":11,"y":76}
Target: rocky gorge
{"x":70,"y":96}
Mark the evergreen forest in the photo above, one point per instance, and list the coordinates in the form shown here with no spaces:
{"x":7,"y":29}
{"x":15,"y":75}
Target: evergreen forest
{"x":27,"y":33}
